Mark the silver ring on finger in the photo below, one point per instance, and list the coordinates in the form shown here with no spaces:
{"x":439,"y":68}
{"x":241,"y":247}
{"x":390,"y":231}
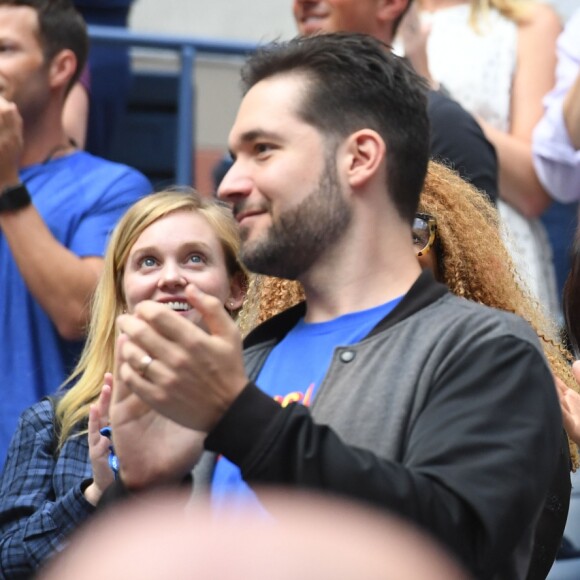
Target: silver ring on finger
{"x":144,"y":364}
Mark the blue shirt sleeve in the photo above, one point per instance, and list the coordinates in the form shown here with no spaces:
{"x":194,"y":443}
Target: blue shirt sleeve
{"x":92,"y":234}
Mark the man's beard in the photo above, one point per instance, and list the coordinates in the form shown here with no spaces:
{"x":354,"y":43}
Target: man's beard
{"x":300,"y":235}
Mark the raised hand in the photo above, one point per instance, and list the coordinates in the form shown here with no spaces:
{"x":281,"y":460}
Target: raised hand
{"x":194,"y":375}
{"x":570,"y":404}
{"x":152,"y":449}
{"x":11,"y":143}
{"x":99,"y":444}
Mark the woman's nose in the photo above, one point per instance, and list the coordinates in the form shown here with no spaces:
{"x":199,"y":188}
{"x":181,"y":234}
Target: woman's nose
{"x":171,"y":276}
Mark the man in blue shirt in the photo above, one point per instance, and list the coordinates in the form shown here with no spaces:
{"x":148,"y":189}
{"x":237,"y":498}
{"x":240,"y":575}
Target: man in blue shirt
{"x":57,"y":205}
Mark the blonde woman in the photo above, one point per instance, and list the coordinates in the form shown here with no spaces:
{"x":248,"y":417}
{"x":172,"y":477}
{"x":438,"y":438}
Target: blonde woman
{"x":497,"y":58}
{"x":57,"y":466}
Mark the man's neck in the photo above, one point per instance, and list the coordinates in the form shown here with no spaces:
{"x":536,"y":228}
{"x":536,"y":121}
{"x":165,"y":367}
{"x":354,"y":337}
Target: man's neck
{"x":44,"y":136}
{"x":44,"y":147}
{"x":327,"y":302}
{"x":358,"y":276}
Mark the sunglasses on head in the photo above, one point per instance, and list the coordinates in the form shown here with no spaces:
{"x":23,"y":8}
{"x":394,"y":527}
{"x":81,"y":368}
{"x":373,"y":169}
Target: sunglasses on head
{"x":424,"y":232}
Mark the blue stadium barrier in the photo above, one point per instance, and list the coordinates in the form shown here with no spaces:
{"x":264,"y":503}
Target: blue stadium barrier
{"x":188,"y":49}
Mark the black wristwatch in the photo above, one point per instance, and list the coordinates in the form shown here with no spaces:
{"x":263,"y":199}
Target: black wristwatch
{"x":14,"y":197}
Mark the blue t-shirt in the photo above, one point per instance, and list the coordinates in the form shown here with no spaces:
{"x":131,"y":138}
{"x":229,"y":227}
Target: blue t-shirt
{"x":80,"y":199}
{"x":293,"y":373}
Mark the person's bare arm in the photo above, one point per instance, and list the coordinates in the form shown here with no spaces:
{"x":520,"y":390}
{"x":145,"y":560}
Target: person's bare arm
{"x":534,"y":77}
{"x":414,"y":35}
{"x":61,"y":282}
{"x":571,"y":111}
{"x":75,"y":115}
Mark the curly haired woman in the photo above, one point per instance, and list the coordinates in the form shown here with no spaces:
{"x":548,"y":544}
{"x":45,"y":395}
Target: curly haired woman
{"x":497,"y":58}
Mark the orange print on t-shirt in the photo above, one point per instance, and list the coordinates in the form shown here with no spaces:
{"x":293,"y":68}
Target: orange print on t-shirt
{"x":296,"y":397}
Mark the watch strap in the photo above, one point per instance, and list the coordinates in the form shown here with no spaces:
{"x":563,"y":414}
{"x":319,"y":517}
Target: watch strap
{"x":14,"y":197}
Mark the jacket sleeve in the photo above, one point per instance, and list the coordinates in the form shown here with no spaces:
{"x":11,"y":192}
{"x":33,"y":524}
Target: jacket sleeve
{"x":476,"y":467}
{"x":34,"y":519}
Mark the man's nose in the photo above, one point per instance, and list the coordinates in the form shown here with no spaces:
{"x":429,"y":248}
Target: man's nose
{"x":236,"y":184}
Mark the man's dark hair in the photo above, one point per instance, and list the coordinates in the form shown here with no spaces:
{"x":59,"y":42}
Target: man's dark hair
{"x":60,"y":27}
{"x":355,"y":82}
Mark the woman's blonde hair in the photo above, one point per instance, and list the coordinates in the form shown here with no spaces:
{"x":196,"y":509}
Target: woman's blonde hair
{"x":473,"y":262}
{"x":109,"y":302}
{"x":516,"y":10}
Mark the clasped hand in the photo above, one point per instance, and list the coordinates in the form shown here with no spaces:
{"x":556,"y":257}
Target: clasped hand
{"x":11,"y":142}
{"x":160,"y":413}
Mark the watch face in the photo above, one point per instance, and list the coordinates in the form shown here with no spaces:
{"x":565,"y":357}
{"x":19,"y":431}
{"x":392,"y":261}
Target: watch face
{"x":13,"y":198}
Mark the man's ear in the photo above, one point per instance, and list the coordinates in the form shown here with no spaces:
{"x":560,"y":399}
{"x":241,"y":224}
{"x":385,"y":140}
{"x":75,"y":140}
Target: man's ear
{"x":62,"y":68}
{"x":389,"y":10}
{"x":365,"y":154}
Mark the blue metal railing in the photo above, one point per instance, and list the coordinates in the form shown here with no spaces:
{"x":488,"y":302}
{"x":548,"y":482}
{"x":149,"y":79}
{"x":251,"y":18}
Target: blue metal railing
{"x":188,"y":50}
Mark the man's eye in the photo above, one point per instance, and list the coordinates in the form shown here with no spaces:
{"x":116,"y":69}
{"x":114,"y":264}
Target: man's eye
{"x":263,"y":148}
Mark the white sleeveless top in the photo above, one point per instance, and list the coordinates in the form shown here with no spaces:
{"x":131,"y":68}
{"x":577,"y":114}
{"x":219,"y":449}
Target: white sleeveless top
{"x":478,"y":67}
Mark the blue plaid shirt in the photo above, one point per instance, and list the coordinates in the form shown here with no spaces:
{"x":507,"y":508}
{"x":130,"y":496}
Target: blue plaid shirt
{"x":41,"y":501}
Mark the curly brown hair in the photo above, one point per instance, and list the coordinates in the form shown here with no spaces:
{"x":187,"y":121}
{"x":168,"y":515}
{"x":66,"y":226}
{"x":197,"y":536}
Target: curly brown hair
{"x":472,"y":261}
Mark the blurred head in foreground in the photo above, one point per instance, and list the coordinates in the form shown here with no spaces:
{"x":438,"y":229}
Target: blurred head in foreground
{"x":307,"y":538}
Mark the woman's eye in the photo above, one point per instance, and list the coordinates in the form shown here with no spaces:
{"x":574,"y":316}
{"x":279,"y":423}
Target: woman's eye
{"x":196,"y":259}
{"x":148,"y":262}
